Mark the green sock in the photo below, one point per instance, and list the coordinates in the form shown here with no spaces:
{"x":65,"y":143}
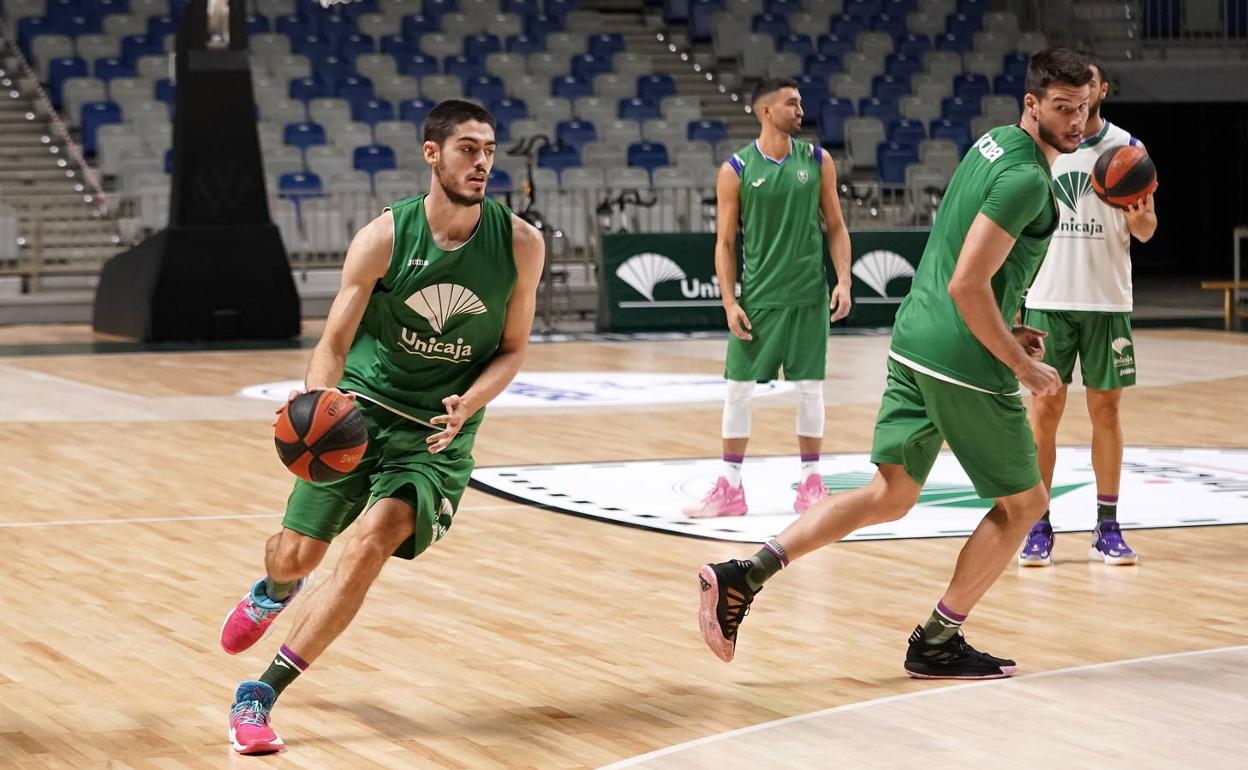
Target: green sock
{"x":942,"y":625}
{"x":1106,"y":511}
{"x":276,"y":591}
{"x":769,"y":560}
{"x":285,"y":668}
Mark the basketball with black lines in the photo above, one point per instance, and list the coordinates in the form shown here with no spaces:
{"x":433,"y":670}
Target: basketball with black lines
{"x":1124,"y":175}
{"x":320,"y":435}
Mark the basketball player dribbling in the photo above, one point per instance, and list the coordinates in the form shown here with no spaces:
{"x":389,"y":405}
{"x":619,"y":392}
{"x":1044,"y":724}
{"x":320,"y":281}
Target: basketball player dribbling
{"x":431,"y":322}
{"x":1082,"y":298}
{"x":954,"y":373}
{"x":783,"y":192}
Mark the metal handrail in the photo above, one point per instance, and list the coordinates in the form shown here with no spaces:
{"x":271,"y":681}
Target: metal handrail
{"x":72,"y":149}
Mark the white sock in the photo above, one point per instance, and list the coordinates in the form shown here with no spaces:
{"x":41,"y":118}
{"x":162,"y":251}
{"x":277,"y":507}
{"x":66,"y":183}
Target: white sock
{"x":808,"y":469}
{"x":732,"y":472}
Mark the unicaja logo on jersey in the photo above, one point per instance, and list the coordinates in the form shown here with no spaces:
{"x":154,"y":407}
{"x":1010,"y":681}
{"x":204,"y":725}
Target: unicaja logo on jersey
{"x":878,"y":268}
{"x":1122,"y":359}
{"x":645,"y":271}
{"x":438,"y":304}
{"x":1070,"y":188}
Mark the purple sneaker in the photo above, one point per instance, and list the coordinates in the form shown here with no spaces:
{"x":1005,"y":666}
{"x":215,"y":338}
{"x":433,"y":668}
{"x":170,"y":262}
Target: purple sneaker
{"x":1038,"y":548}
{"x":1108,"y":545}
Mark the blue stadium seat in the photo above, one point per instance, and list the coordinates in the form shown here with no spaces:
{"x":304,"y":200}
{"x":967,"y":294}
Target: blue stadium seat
{"x":676,"y":11}
{"x":507,"y":110}
{"x":647,"y":155}
{"x":134,"y":46}
{"x":821,"y":65}
{"x":899,"y":7}
{"x":299,"y":185}
{"x":463,"y":67}
{"x":907,"y":132}
{"x":901,"y":65}
{"x":710,"y":131}
{"x":962,"y":25}
{"x":414,"y":110}
{"x":159,"y":26}
{"x":373,"y":158}
{"x":499,"y":181}
{"x":485,"y":89}
{"x":481,"y":45}
{"x":955,"y":131}
{"x":258,"y":24}
{"x":847,"y":27}
{"x":974,"y":8}
{"x":356,"y":44}
{"x":606,"y":44}
{"x":416,"y":65}
{"x":334,"y":28}
{"x":438,"y":8}
{"x":895,"y":26}
{"x":524,"y":44}
{"x":833,"y":113}
{"x":331,"y":71}
{"x":312,"y":46}
{"x":292,"y":26}
{"x":306,"y":89}
{"x":914,"y":45}
{"x":28,"y":29}
{"x":60,"y":70}
{"x":884,"y":109}
{"x":560,"y":8}
{"x":587,"y":66}
{"x":80,"y":25}
{"x":951,"y":42}
{"x":801,"y":45}
{"x":1015,"y":63}
{"x":782,"y":7}
{"x":399,"y":46}
{"x":1010,"y":85}
{"x":770,"y":24}
{"x":355,"y":88}
{"x":94,"y":115}
{"x":864,"y":9}
{"x":971,"y":87}
{"x":521,"y":8}
{"x":414,"y":25}
{"x":702,"y":15}
{"x":372,"y":111}
{"x":110,"y":67}
{"x":1162,"y":18}
{"x":541,"y":25}
{"x":654,"y":87}
{"x":955,"y":108}
{"x":639,"y":110}
{"x":890,"y":87}
{"x":813,"y":89}
{"x":558,"y":157}
{"x":835,"y":45}
{"x":892,"y":158}
{"x":575,"y":133}
{"x":165,"y":91}
{"x":568,"y":87}
{"x":304,"y":135}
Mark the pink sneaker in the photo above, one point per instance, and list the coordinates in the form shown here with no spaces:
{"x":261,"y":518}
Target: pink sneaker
{"x":252,"y":618}
{"x":249,"y":720}
{"x":723,"y":500}
{"x":809,"y":492}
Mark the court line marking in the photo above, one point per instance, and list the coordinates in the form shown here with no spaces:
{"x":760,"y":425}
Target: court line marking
{"x":679,"y":747}
{"x":172,"y":519}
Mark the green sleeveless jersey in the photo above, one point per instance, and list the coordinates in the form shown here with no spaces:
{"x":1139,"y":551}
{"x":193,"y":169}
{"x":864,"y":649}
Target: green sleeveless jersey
{"x":435,"y":319}
{"x":784,"y":254}
{"x":1005,"y":176}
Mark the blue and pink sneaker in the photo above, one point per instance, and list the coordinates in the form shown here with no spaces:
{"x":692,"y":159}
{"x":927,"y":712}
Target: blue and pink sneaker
{"x":252,"y":618}
{"x":1108,"y":545}
{"x":250,"y":732}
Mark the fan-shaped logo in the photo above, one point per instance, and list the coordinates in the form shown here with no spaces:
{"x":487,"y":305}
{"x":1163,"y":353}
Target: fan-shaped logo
{"x":878,"y":268}
{"x":645,"y":271}
{"x":1120,"y":344}
{"x":1071,"y":187}
{"x":441,"y":302}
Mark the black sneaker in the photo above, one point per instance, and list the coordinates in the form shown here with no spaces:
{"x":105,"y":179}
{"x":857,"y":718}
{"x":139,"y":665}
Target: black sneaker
{"x":953,"y":659}
{"x":726,"y":598}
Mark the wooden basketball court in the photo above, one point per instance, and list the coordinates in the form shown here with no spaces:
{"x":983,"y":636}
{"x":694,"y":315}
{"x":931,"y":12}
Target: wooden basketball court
{"x":137,"y":488}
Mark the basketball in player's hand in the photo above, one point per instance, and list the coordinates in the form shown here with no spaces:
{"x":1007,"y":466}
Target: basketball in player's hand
{"x":320,"y":435}
{"x":1124,"y":175}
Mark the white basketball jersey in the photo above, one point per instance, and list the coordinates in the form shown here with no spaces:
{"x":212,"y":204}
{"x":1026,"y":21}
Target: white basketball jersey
{"x":1088,"y":265}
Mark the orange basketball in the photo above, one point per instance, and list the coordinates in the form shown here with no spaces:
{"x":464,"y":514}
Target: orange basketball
{"x":320,"y":435}
{"x":1124,"y":175}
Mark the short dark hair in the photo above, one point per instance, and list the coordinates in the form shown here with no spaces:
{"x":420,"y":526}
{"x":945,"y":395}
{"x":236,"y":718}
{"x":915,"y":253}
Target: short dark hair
{"x":1095,"y":61}
{"x":444,"y":118}
{"x":1056,"y":64}
{"x":770,"y":86}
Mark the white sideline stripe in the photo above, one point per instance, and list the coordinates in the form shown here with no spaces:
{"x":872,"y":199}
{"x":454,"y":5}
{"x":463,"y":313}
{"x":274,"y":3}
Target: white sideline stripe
{"x":634,"y":761}
{"x":169,"y":519}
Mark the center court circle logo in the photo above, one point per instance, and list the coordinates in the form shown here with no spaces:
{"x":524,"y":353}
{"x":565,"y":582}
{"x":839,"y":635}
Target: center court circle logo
{"x":563,"y":390}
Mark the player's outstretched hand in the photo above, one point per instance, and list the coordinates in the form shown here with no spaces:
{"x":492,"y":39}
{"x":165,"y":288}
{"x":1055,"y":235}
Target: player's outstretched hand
{"x":841,"y":302}
{"x":456,"y":413}
{"x":1040,"y":378}
{"x":1031,"y":339}
{"x":292,"y":395}
{"x":1140,"y":208}
{"x":739,"y":323}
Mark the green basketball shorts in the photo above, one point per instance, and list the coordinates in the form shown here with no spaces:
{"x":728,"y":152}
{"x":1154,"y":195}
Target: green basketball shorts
{"x":794,"y":339}
{"x":987,"y":432}
{"x":1101,"y":341}
{"x":396,"y":464}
